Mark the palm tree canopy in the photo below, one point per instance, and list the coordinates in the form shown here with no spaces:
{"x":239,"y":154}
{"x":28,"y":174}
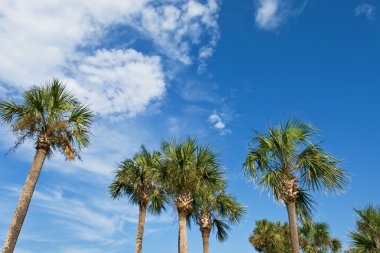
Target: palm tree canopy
{"x":286,"y":156}
{"x":137,"y":179}
{"x":52,"y":114}
{"x":217,"y":210}
{"x":186,"y":166}
{"x":273,"y":237}
{"x":270,"y":237}
{"x":367,"y":237}
{"x":315,"y":238}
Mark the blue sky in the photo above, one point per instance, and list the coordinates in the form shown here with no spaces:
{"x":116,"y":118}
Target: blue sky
{"x":175,"y":68}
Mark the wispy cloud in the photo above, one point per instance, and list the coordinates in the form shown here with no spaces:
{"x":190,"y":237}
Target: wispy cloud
{"x":83,"y":218}
{"x":365,"y":9}
{"x":270,"y":14}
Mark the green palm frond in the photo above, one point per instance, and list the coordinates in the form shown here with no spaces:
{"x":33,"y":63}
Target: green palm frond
{"x":305,"y":205}
{"x":222,"y":229}
{"x":319,"y":170}
{"x":53,"y":112}
{"x":285,"y":156}
{"x":366,"y":238}
{"x":138,"y":179}
{"x":271,"y":237}
{"x":315,"y":237}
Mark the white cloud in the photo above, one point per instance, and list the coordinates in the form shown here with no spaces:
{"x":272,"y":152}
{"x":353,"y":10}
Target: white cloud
{"x":365,"y":9}
{"x":175,"y":28}
{"x":270,"y":14}
{"x":267,"y":15}
{"x":41,"y":40}
{"x":118,"y":81}
{"x":218,"y":123}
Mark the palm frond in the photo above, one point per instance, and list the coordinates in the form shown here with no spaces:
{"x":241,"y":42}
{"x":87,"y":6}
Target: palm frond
{"x":222,"y":229}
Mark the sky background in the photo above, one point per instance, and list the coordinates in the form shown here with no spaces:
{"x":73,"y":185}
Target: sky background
{"x":214,"y":70}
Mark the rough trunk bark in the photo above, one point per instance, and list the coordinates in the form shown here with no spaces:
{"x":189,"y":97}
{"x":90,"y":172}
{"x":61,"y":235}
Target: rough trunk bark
{"x":140,"y":228}
{"x":182,"y":238}
{"x":24,"y":201}
{"x":206,"y":240}
{"x":291,"y":207}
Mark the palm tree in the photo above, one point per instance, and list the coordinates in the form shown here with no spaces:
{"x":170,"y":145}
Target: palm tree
{"x":215,"y":209}
{"x":273,"y":237}
{"x":270,"y":237}
{"x":285,"y":162}
{"x":183,"y":165}
{"x":315,"y":238}
{"x":367,"y":237}
{"x":137,"y":178}
{"x":56,"y":121}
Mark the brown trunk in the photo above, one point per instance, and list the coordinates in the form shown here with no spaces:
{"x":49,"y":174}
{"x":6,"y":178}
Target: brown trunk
{"x":140,"y":228}
{"x":291,"y":207}
{"x":182,"y":238}
{"x":206,"y":239}
{"x":24,"y":201}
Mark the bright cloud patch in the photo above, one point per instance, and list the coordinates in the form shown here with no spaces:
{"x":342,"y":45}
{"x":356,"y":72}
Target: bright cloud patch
{"x":175,"y":28}
{"x":267,"y":15}
{"x":41,"y":40}
{"x":270,"y":14}
{"x":217,"y":122}
{"x":365,"y":9}
{"x":119,"y":81}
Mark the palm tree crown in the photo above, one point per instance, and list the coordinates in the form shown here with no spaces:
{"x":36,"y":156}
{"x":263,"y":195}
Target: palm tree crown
{"x":186,"y":167}
{"x":50,"y":116}
{"x":367,"y":237}
{"x":286,"y":163}
{"x":137,"y":178}
{"x":216,"y":210}
{"x":270,"y":237}
{"x":315,"y":238}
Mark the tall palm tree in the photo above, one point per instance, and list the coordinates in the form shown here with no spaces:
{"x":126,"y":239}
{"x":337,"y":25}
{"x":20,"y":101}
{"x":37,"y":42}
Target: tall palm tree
{"x":285,"y":162}
{"x":183,"y":165}
{"x":270,"y":237}
{"x":137,"y":179}
{"x":315,"y":238}
{"x":215,"y":209}
{"x":56,"y":121}
{"x":366,"y":239}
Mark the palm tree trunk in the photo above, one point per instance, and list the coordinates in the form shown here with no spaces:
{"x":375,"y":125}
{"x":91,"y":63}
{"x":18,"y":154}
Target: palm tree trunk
{"x":206,"y":239}
{"x":182,"y":238}
{"x":140,"y":228}
{"x":291,"y":207}
{"x":24,"y":201}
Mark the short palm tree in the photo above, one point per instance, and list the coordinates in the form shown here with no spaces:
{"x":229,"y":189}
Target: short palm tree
{"x":215,"y":209}
{"x":51,"y":117}
{"x":285,"y":162}
{"x":137,"y":179}
{"x":183,"y":165}
{"x":315,"y":238}
{"x":270,"y":237}
{"x":366,"y":239}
